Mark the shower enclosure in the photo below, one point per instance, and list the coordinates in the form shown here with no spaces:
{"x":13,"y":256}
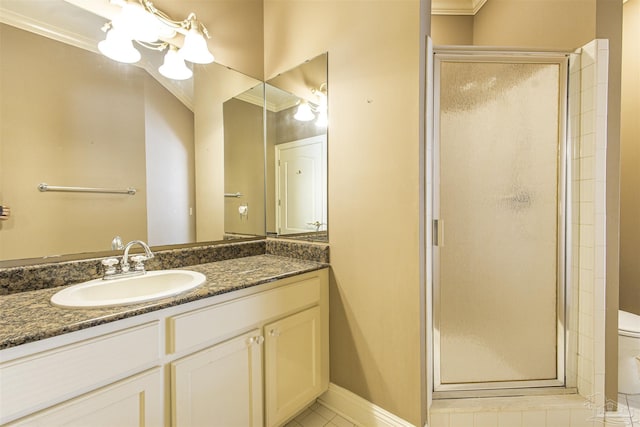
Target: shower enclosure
{"x":499,"y":205}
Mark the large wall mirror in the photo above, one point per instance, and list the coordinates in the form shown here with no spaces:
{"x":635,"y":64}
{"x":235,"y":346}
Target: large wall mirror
{"x":296,"y":146}
{"x":193,"y":150}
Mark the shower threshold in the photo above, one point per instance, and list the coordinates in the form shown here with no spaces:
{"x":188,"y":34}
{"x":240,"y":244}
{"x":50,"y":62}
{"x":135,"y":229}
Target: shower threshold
{"x":504,"y":392}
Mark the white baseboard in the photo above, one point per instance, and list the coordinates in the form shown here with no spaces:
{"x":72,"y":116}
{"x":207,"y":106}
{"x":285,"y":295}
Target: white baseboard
{"x":358,"y":410}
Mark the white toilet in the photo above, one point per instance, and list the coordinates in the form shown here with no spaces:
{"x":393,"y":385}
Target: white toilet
{"x":628,"y":353}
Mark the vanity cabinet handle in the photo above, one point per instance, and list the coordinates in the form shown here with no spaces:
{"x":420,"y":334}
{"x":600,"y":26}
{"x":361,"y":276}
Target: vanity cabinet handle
{"x":274,"y":332}
{"x":255,"y":340}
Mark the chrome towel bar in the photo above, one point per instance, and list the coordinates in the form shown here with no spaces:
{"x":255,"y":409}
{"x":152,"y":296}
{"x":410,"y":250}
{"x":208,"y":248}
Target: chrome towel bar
{"x":232,"y":194}
{"x":46,"y":187}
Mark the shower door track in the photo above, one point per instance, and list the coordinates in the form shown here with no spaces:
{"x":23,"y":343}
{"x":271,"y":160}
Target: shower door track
{"x":519,"y":387}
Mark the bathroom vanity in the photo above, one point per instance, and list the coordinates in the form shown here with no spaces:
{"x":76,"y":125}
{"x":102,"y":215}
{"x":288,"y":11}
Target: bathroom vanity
{"x":249,"y":347}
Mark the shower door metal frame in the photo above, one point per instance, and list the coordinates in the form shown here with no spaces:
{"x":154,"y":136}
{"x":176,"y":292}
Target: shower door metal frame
{"x":466,"y":54}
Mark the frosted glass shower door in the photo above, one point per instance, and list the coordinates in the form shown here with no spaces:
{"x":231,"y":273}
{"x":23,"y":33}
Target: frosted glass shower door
{"x":497,"y":265}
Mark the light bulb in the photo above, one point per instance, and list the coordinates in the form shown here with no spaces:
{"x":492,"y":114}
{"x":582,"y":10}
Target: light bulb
{"x":137,"y":22}
{"x":118,"y":46}
{"x":195,"y":48}
{"x":174,"y":66}
{"x":304,"y":113}
{"x":323,"y":120}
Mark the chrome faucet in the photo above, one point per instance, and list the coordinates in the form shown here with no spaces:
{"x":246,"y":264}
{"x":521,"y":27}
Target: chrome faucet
{"x":110,"y":264}
{"x":137,"y":259}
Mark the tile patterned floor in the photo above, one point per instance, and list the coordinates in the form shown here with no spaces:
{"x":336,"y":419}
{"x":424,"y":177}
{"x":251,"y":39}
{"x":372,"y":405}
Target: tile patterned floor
{"x":630,"y":403}
{"x":631,"y":400}
{"x":319,"y":416}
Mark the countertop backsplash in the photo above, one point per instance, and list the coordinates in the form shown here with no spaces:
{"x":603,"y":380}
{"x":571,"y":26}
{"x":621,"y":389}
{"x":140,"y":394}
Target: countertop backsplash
{"x":54,"y":274}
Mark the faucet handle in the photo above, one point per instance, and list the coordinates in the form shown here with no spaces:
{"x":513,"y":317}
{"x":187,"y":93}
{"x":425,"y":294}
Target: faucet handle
{"x":138,"y":262}
{"x":109,"y":265}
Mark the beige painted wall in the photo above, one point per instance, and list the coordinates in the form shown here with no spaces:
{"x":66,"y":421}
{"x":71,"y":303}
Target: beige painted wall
{"x":236,"y":30}
{"x":544,"y":24}
{"x":539,"y":24}
{"x":213,"y":85}
{"x":244,"y":167}
{"x":452,"y":30}
{"x":170,"y":166}
{"x":630,"y":161}
{"x":374,"y":74}
{"x":68,"y":140}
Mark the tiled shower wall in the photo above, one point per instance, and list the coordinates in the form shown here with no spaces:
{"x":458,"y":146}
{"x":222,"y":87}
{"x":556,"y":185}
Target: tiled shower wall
{"x":589,"y":161}
{"x":587,"y":116}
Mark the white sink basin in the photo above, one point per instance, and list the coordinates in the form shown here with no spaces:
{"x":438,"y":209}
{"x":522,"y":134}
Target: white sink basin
{"x":128,"y":290}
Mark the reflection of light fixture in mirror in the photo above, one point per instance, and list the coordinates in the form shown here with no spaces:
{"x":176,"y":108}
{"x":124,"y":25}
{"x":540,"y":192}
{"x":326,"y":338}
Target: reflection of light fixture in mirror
{"x":149,"y":27}
{"x":304,"y":113}
{"x":118,"y":46}
{"x":306,"y":109}
{"x":323,"y":120}
{"x":174,"y":66}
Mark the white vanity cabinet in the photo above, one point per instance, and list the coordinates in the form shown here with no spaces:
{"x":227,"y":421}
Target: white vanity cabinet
{"x":219,"y":386}
{"x":251,"y":357}
{"x":133,"y":402}
{"x":88,"y":370}
{"x":266,"y":350}
{"x":294,"y":364}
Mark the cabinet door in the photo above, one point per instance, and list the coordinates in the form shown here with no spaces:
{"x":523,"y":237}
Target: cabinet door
{"x":293,"y":364}
{"x":134,"y":402}
{"x":220,"y":386}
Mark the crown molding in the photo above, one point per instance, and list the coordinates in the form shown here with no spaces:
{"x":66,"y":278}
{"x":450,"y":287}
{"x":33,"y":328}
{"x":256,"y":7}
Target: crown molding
{"x":456,"y":7}
{"x":274,"y":106}
{"x":250,"y":98}
{"x":45,"y":29}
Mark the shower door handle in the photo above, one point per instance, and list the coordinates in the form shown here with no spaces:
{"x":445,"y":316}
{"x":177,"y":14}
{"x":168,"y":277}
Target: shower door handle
{"x":438,"y":232}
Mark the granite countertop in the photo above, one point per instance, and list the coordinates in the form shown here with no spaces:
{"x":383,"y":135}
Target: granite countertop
{"x":29,"y":316}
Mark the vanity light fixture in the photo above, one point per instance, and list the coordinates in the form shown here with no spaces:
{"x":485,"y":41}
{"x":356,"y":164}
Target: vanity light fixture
{"x":323,"y":119}
{"x":119,"y":47}
{"x":306,"y":109}
{"x":141,"y":22}
{"x":304,"y":113}
{"x":174,"y":66}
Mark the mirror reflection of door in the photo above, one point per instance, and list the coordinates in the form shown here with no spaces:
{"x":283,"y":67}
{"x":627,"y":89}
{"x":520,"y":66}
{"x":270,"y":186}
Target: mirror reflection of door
{"x":301,"y":205}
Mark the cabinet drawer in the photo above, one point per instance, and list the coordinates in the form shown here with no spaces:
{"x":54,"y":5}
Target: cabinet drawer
{"x":46,"y":378}
{"x":134,"y":402}
{"x":221,"y":320}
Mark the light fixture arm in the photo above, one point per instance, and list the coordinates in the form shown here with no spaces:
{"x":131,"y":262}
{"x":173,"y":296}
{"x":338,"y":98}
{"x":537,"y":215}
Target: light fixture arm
{"x":160,"y":15}
{"x":191,"y":21}
{"x":159,"y":46}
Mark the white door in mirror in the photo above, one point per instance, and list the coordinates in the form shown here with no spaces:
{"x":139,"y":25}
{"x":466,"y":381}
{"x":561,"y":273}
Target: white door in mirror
{"x":301,"y":172}
{"x":151,"y":286}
